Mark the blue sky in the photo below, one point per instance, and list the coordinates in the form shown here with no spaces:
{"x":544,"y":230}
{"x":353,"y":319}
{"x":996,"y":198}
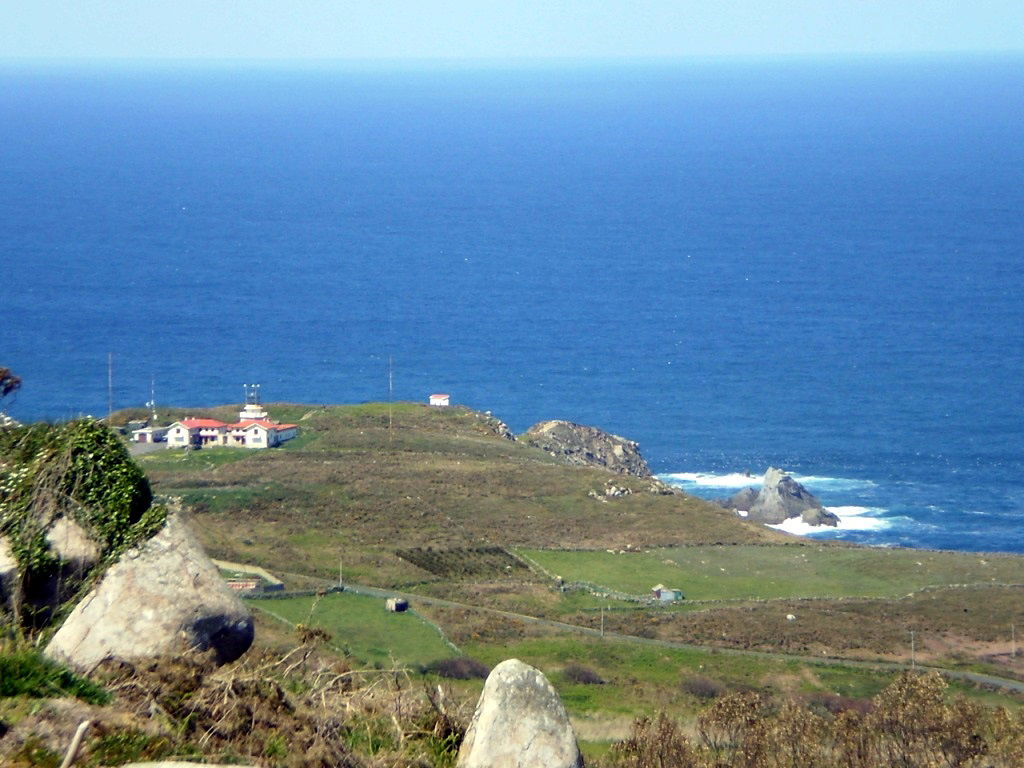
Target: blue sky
{"x":474,"y":29}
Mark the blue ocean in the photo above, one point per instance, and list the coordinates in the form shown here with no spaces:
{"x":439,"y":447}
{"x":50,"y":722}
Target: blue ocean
{"x":804,"y":263}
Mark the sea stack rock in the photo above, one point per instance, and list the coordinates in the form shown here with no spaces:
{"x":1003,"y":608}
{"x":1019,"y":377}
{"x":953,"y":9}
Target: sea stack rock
{"x":587,"y":446}
{"x":156,"y":599}
{"x":519,"y":723}
{"x":780,"y":498}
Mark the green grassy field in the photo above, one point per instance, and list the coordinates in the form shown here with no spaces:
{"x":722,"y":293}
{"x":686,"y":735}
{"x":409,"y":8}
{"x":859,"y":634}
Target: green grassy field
{"x":363,"y":628}
{"x":753,"y":572}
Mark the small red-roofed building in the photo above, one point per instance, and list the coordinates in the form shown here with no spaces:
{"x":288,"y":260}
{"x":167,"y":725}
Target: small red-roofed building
{"x":440,"y":399}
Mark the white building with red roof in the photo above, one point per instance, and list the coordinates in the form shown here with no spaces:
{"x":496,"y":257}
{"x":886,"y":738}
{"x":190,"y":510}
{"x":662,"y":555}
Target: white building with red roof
{"x":254,"y":429}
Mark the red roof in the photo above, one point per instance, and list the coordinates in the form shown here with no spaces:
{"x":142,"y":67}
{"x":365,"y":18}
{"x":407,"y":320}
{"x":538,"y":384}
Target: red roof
{"x":440,"y":395}
{"x":194,"y":423}
{"x":265,"y":424}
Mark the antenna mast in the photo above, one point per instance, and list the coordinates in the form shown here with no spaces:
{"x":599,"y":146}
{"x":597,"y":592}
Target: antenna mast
{"x":391,"y":396}
{"x":152,"y":398}
{"x":110,"y":385}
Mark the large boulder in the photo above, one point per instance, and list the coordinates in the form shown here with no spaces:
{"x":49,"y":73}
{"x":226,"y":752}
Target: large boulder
{"x":69,"y":541}
{"x":8,"y":573}
{"x":779,"y":499}
{"x":587,"y":446}
{"x":161,"y":596}
{"x":519,"y":723}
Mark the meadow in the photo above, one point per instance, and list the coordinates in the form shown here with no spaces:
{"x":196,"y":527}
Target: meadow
{"x":751,"y":572}
{"x":362,"y":629}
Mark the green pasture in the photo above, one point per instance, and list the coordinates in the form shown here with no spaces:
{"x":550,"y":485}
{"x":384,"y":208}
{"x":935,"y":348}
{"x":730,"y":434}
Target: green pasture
{"x":362,"y":627}
{"x":646,"y":678}
{"x":752,"y":572}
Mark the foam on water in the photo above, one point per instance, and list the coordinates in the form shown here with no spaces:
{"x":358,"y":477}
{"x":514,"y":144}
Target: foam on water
{"x":851,"y":518}
{"x":833,"y":483}
{"x":743,"y":480}
{"x":710,"y":480}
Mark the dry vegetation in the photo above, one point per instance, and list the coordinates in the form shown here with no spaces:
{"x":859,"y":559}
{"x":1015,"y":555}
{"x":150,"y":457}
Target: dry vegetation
{"x":910,"y":724}
{"x":302,"y":709}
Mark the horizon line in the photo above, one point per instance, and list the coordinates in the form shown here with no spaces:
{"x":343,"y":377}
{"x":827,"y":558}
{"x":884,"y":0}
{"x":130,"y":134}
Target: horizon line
{"x":273,"y":62}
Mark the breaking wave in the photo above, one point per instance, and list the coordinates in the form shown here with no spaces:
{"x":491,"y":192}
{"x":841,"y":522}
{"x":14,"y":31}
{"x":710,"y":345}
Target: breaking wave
{"x":851,"y":518}
{"x":710,"y":480}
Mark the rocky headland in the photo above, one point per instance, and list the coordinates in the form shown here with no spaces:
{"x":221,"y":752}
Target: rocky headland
{"x":587,"y":446}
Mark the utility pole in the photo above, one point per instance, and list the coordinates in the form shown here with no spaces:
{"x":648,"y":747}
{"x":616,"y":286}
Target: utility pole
{"x":152,"y":400}
{"x":602,"y":621}
{"x":341,"y":572}
{"x":913,"y":656}
{"x":110,"y":386}
{"x":391,"y":396}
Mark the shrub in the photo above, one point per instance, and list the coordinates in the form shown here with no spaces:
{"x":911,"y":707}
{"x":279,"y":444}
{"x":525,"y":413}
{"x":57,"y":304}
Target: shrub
{"x":462,"y":668}
{"x":578,"y":673}
{"x":657,"y":743}
{"x":703,"y":687}
{"x":834,"y":704}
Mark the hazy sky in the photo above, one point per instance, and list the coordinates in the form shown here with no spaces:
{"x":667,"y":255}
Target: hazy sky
{"x":461,"y":29}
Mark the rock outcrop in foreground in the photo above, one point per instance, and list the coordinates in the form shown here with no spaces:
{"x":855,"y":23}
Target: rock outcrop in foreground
{"x":158,"y":598}
{"x":519,"y":723}
{"x":780,"y":498}
{"x":587,"y":446}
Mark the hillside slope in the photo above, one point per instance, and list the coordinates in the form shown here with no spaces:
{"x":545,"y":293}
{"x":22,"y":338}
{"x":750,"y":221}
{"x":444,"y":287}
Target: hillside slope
{"x":363,"y":481}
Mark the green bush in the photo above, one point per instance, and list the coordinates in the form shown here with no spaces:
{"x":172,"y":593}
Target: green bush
{"x":80,"y":470}
{"x":28,"y":673}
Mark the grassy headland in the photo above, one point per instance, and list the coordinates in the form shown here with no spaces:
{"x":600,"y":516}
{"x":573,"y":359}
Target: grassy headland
{"x":365,"y":484}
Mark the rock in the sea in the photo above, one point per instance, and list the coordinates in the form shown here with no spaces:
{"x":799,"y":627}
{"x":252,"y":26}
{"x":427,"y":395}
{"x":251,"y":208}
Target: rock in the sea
{"x":519,"y":723}
{"x":588,"y":446}
{"x":780,"y":498}
{"x":156,"y":598}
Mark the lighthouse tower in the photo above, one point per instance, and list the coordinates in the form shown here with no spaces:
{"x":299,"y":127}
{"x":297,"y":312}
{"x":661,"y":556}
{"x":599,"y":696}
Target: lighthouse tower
{"x":252,"y":410}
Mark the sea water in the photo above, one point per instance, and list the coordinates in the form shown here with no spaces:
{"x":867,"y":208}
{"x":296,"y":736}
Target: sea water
{"x":810,"y":264}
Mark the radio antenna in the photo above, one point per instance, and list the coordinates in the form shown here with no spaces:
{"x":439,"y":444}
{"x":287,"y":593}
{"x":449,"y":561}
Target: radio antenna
{"x":110,"y":386}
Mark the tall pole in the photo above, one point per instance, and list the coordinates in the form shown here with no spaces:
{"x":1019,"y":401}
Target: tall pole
{"x":110,"y":385}
{"x":341,"y":572}
{"x":913,"y":655}
{"x":391,"y":396}
{"x":602,"y":621}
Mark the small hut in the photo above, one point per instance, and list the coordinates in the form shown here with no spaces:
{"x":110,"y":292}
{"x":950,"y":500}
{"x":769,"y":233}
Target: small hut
{"x":397,"y":604}
{"x":666,"y":595}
